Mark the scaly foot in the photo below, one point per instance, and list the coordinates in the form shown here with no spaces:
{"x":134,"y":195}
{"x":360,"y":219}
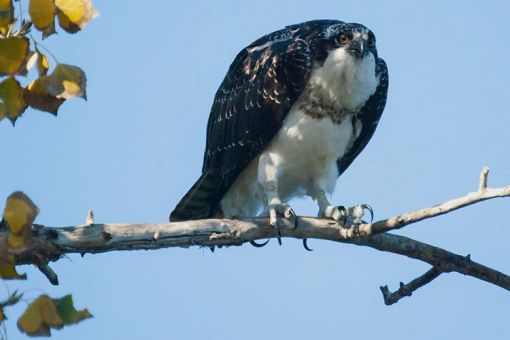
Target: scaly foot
{"x":281,"y":210}
{"x":351,"y":215}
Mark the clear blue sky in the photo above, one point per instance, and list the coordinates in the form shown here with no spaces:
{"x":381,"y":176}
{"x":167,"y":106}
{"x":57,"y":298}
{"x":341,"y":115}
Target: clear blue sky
{"x":135,"y":147}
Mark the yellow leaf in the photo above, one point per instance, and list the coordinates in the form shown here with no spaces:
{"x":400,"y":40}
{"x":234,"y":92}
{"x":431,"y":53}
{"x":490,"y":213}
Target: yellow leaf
{"x":37,"y":97}
{"x":75,"y":14}
{"x":11,"y":96}
{"x":8,"y":269}
{"x":19,"y":213}
{"x":43,"y":13}
{"x":6,"y":13}
{"x":13,"y":54}
{"x":39,"y":59}
{"x":66,"y":81}
{"x":39,"y":317}
{"x":42,"y":64}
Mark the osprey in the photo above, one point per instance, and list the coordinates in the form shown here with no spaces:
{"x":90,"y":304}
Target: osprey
{"x":295,"y":109}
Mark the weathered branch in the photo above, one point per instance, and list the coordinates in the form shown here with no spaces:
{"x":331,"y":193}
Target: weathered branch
{"x":51,"y":243}
{"x":408,"y":289}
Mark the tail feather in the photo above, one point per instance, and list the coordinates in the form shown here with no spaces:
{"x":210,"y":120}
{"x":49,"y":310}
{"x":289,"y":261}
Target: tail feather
{"x":200,"y":201}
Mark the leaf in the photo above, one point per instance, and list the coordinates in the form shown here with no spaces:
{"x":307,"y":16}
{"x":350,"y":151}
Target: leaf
{"x":66,"y":81}
{"x":12,"y":99}
{"x":8,"y":268}
{"x":6,"y":13}
{"x":40,"y":315}
{"x":19,"y":213}
{"x":43,"y":13}
{"x":42,"y":64}
{"x":45,"y":313}
{"x":31,"y":60}
{"x":39,"y":59}
{"x":75,"y":14}
{"x":37,"y":97}
{"x":67,"y":311}
{"x":13,"y":55}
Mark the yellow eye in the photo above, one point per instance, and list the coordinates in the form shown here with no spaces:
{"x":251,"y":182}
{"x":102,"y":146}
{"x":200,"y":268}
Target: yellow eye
{"x":344,"y":39}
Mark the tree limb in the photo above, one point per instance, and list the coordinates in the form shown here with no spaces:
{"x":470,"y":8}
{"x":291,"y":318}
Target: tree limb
{"x":50,"y":243}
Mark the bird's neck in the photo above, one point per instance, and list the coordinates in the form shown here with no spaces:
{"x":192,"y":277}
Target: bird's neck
{"x":341,"y":84}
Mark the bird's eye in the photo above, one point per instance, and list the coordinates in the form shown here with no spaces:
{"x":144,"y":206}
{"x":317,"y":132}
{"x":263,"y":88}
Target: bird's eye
{"x":344,"y":39}
{"x":371,"y":42}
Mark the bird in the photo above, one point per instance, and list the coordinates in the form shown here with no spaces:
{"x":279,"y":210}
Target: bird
{"x":294,"y":110}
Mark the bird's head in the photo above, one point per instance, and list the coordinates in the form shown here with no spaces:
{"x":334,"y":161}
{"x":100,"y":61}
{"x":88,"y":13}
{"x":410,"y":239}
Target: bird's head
{"x":355,"y":39}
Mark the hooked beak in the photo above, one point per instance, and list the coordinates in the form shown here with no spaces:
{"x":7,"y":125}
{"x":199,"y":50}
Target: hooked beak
{"x":358,"y":48}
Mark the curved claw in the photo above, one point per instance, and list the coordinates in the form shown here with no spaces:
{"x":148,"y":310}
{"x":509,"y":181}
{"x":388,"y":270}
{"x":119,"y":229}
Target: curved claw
{"x":306,"y":245}
{"x":279,"y":237}
{"x":259,"y":245}
{"x":291,"y":215}
{"x":369,"y":208}
{"x":344,"y":214}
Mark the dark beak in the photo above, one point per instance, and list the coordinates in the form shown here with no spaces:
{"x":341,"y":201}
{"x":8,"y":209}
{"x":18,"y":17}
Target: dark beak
{"x":358,"y":48}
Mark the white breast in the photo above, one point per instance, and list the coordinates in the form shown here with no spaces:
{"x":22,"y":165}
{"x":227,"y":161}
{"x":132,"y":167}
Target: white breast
{"x":306,"y":149}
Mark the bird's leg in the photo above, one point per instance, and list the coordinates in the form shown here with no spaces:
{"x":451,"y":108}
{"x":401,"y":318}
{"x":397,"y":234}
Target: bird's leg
{"x":268,"y":178}
{"x":326,"y":210}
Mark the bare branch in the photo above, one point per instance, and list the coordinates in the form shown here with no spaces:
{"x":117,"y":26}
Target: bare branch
{"x":50,"y":244}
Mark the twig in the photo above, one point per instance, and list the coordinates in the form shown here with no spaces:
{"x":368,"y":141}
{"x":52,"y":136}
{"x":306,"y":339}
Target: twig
{"x":43,"y":266}
{"x":483,"y":179}
{"x":408,"y":289}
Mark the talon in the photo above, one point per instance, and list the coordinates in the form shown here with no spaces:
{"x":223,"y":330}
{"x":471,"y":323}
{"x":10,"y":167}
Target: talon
{"x":291,"y":215}
{"x":369,"y":208}
{"x":259,"y":245}
{"x":306,"y":245}
{"x":279,"y":237}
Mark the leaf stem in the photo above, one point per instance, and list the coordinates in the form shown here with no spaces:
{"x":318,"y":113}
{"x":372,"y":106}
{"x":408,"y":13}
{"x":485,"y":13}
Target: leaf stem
{"x":38,"y":44}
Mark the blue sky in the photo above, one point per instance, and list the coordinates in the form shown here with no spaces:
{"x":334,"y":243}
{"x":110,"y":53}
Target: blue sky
{"x":133,"y":149}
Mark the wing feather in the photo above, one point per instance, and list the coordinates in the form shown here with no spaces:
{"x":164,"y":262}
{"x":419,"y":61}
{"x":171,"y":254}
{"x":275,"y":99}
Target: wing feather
{"x":369,"y":116}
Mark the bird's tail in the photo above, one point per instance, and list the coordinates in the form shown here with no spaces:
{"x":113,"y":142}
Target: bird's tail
{"x":200,"y":201}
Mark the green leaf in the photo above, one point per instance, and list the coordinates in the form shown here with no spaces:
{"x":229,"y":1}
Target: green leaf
{"x":67,"y":311}
{"x":12,"y":102}
{"x":13,"y":55}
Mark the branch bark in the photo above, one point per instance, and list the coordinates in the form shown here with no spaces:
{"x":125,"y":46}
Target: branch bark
{"x":50,"y":243}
